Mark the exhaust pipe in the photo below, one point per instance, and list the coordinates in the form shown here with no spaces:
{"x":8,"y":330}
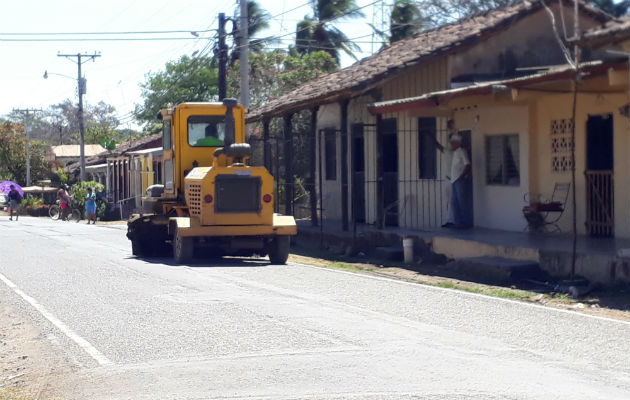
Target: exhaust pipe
{"x":230,"y":135}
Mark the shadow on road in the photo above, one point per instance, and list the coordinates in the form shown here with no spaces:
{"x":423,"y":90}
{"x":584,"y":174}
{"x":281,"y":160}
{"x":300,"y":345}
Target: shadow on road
{"x":202,"y":260}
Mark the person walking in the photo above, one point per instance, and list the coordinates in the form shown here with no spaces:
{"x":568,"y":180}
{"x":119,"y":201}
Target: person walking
{"x":14,"y":203}
{"x":90,"y":206}
{"x":64,"y":202}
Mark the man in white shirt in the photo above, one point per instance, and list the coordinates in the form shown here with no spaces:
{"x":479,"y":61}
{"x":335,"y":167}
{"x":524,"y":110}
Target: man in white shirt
{"x":460,"y":213}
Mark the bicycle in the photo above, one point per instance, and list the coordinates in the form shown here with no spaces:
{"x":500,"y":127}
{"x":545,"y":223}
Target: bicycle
{"x":74,"y":215}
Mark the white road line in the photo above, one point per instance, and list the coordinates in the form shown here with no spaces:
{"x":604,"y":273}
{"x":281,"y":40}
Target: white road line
{"x":72,"y":335}
{"x":465,"y":293}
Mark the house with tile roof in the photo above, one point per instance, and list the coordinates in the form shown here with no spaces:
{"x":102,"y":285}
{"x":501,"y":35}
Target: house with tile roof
{"x":63,"y":155}
{"x":373,"y":153}
{"x":126,"y":171}
{"x":523,"y":130}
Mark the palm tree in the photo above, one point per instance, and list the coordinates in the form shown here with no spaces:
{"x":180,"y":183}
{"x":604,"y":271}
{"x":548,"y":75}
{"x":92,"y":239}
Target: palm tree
{"x":317,"y":33}
{"x":405,"y":20}
{"x":257,"y":21}
{"x":617,"y":9}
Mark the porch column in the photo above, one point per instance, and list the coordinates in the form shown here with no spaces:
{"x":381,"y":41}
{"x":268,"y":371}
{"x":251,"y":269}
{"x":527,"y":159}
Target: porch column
{"x":312,"y":192}
{"x":107,"y":180}
{"x":116,"y":173}
{"x":344,"y":164}
{"x":379,"y":172}
{"x":266,"y":145}
{"x":288,"y":164}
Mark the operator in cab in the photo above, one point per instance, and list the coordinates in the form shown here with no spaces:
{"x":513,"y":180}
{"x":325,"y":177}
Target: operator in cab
{"x":211,"y":138}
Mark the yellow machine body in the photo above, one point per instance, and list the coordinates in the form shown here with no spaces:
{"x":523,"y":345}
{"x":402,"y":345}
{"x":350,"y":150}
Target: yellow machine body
{"x":210,"y":197}
{"x":232,"y":200}
{"x":179,"y":155}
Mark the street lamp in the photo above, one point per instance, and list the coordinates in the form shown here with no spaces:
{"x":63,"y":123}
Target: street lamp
{"x":46,"y":74}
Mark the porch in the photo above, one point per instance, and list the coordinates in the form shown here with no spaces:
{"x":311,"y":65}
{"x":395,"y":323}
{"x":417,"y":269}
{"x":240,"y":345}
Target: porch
{"x":597,"y":259}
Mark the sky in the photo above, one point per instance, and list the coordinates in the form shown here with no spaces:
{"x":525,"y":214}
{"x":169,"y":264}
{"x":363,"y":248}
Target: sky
{"x":114,"y":77}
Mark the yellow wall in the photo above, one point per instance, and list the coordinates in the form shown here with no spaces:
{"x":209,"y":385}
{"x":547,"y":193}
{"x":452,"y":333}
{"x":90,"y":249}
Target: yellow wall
{"x":496,"y":206}
{"x":552,"y":107}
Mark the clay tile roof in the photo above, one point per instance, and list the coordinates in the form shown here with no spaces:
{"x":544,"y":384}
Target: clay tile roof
{"x":74,"y":150}
{"x":609,"y":33}
{"x":141,"y":143}
{"x":441,"y":40}
{"x":132,"y":145}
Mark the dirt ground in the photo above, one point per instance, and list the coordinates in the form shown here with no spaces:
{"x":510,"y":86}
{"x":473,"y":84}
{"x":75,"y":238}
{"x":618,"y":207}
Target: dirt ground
{"x":29,"y":362}
{"x":608,"y":302}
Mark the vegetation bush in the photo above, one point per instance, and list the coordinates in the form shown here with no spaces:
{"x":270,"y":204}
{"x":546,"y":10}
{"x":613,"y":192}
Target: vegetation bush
{"x":31,"y":205}
{"x":80,"y":190}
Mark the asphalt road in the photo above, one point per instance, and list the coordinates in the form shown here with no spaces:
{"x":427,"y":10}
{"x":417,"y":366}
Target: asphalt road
{"x":147,"y":329}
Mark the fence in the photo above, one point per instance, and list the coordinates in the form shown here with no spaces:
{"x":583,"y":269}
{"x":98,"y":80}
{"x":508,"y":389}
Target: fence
{"x":600,"y":203}
{"x":381,"y":177}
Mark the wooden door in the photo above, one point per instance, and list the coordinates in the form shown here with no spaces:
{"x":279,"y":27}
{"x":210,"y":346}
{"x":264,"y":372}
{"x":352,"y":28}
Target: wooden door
{"x":599,"y":176}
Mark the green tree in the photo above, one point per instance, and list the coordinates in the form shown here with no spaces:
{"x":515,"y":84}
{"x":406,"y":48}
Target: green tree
{"x":187,"y":79}
{"x":277,"y":72}
{"x":13,"y":155}
{"x":257,"y":21}
{"x":442,"y":11}
{"x":405,"y":20}
{"x":438,"y":12}
{"x":318,"y":33}
{"x":79,"y":192}
{"x":100,"y":122}
{"x":611,"y":7}
{"x":273,"y":74}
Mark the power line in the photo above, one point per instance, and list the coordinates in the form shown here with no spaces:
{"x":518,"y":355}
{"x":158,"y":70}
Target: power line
{"x":193,"y":68}
{"x":281,"y":14}
{"x":126,"y":39}
{"x":325,"y":21}
{"x":105,"y":33}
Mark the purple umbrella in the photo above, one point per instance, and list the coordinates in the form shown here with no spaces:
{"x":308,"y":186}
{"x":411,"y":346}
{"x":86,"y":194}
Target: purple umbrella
{"x":5,"y":187}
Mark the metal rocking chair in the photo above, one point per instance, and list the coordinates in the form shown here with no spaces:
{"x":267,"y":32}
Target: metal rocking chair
{"x":543,"y":216}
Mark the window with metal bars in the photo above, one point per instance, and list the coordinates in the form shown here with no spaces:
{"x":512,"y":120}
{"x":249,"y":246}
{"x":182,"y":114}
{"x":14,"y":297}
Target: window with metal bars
{"x":502,"y":160}
{"x":427,"y":155}
{"x":330,"y":141}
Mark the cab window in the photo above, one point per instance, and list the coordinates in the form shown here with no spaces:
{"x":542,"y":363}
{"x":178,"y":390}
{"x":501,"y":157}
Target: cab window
{"x":206,"y":131}
{"x":166,"y":134}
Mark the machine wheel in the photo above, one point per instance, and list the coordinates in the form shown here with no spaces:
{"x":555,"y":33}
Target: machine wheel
{"x":279,"y":249}
{"x":182,"y":249}
{"x":137,"y":249}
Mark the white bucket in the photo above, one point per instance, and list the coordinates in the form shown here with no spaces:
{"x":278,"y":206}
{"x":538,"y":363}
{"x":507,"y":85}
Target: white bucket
{"x":408,"y":249}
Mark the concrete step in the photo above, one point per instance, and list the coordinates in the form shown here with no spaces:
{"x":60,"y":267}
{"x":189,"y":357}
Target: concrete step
{"x":392,"y":253}
{"x":498,"y":269}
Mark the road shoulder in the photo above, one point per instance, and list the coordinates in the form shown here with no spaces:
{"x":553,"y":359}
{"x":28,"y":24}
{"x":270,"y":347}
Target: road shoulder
{"x":32,"y":365}
{"x":594,"y":304}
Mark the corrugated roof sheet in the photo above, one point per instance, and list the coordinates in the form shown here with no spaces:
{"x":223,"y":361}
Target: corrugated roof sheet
{"x":74,"y":150}
{"x":611,"y":32}
{"x":143,"y":142}
{"x":402,"y":54}
{"x":438,"y":97}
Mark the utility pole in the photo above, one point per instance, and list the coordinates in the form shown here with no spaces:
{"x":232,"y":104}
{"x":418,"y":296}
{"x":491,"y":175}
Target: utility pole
{"x":81,"y":58}
{"x":222,"y":58}
{"x":27,"y":112}
{"x":243,"y":52}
